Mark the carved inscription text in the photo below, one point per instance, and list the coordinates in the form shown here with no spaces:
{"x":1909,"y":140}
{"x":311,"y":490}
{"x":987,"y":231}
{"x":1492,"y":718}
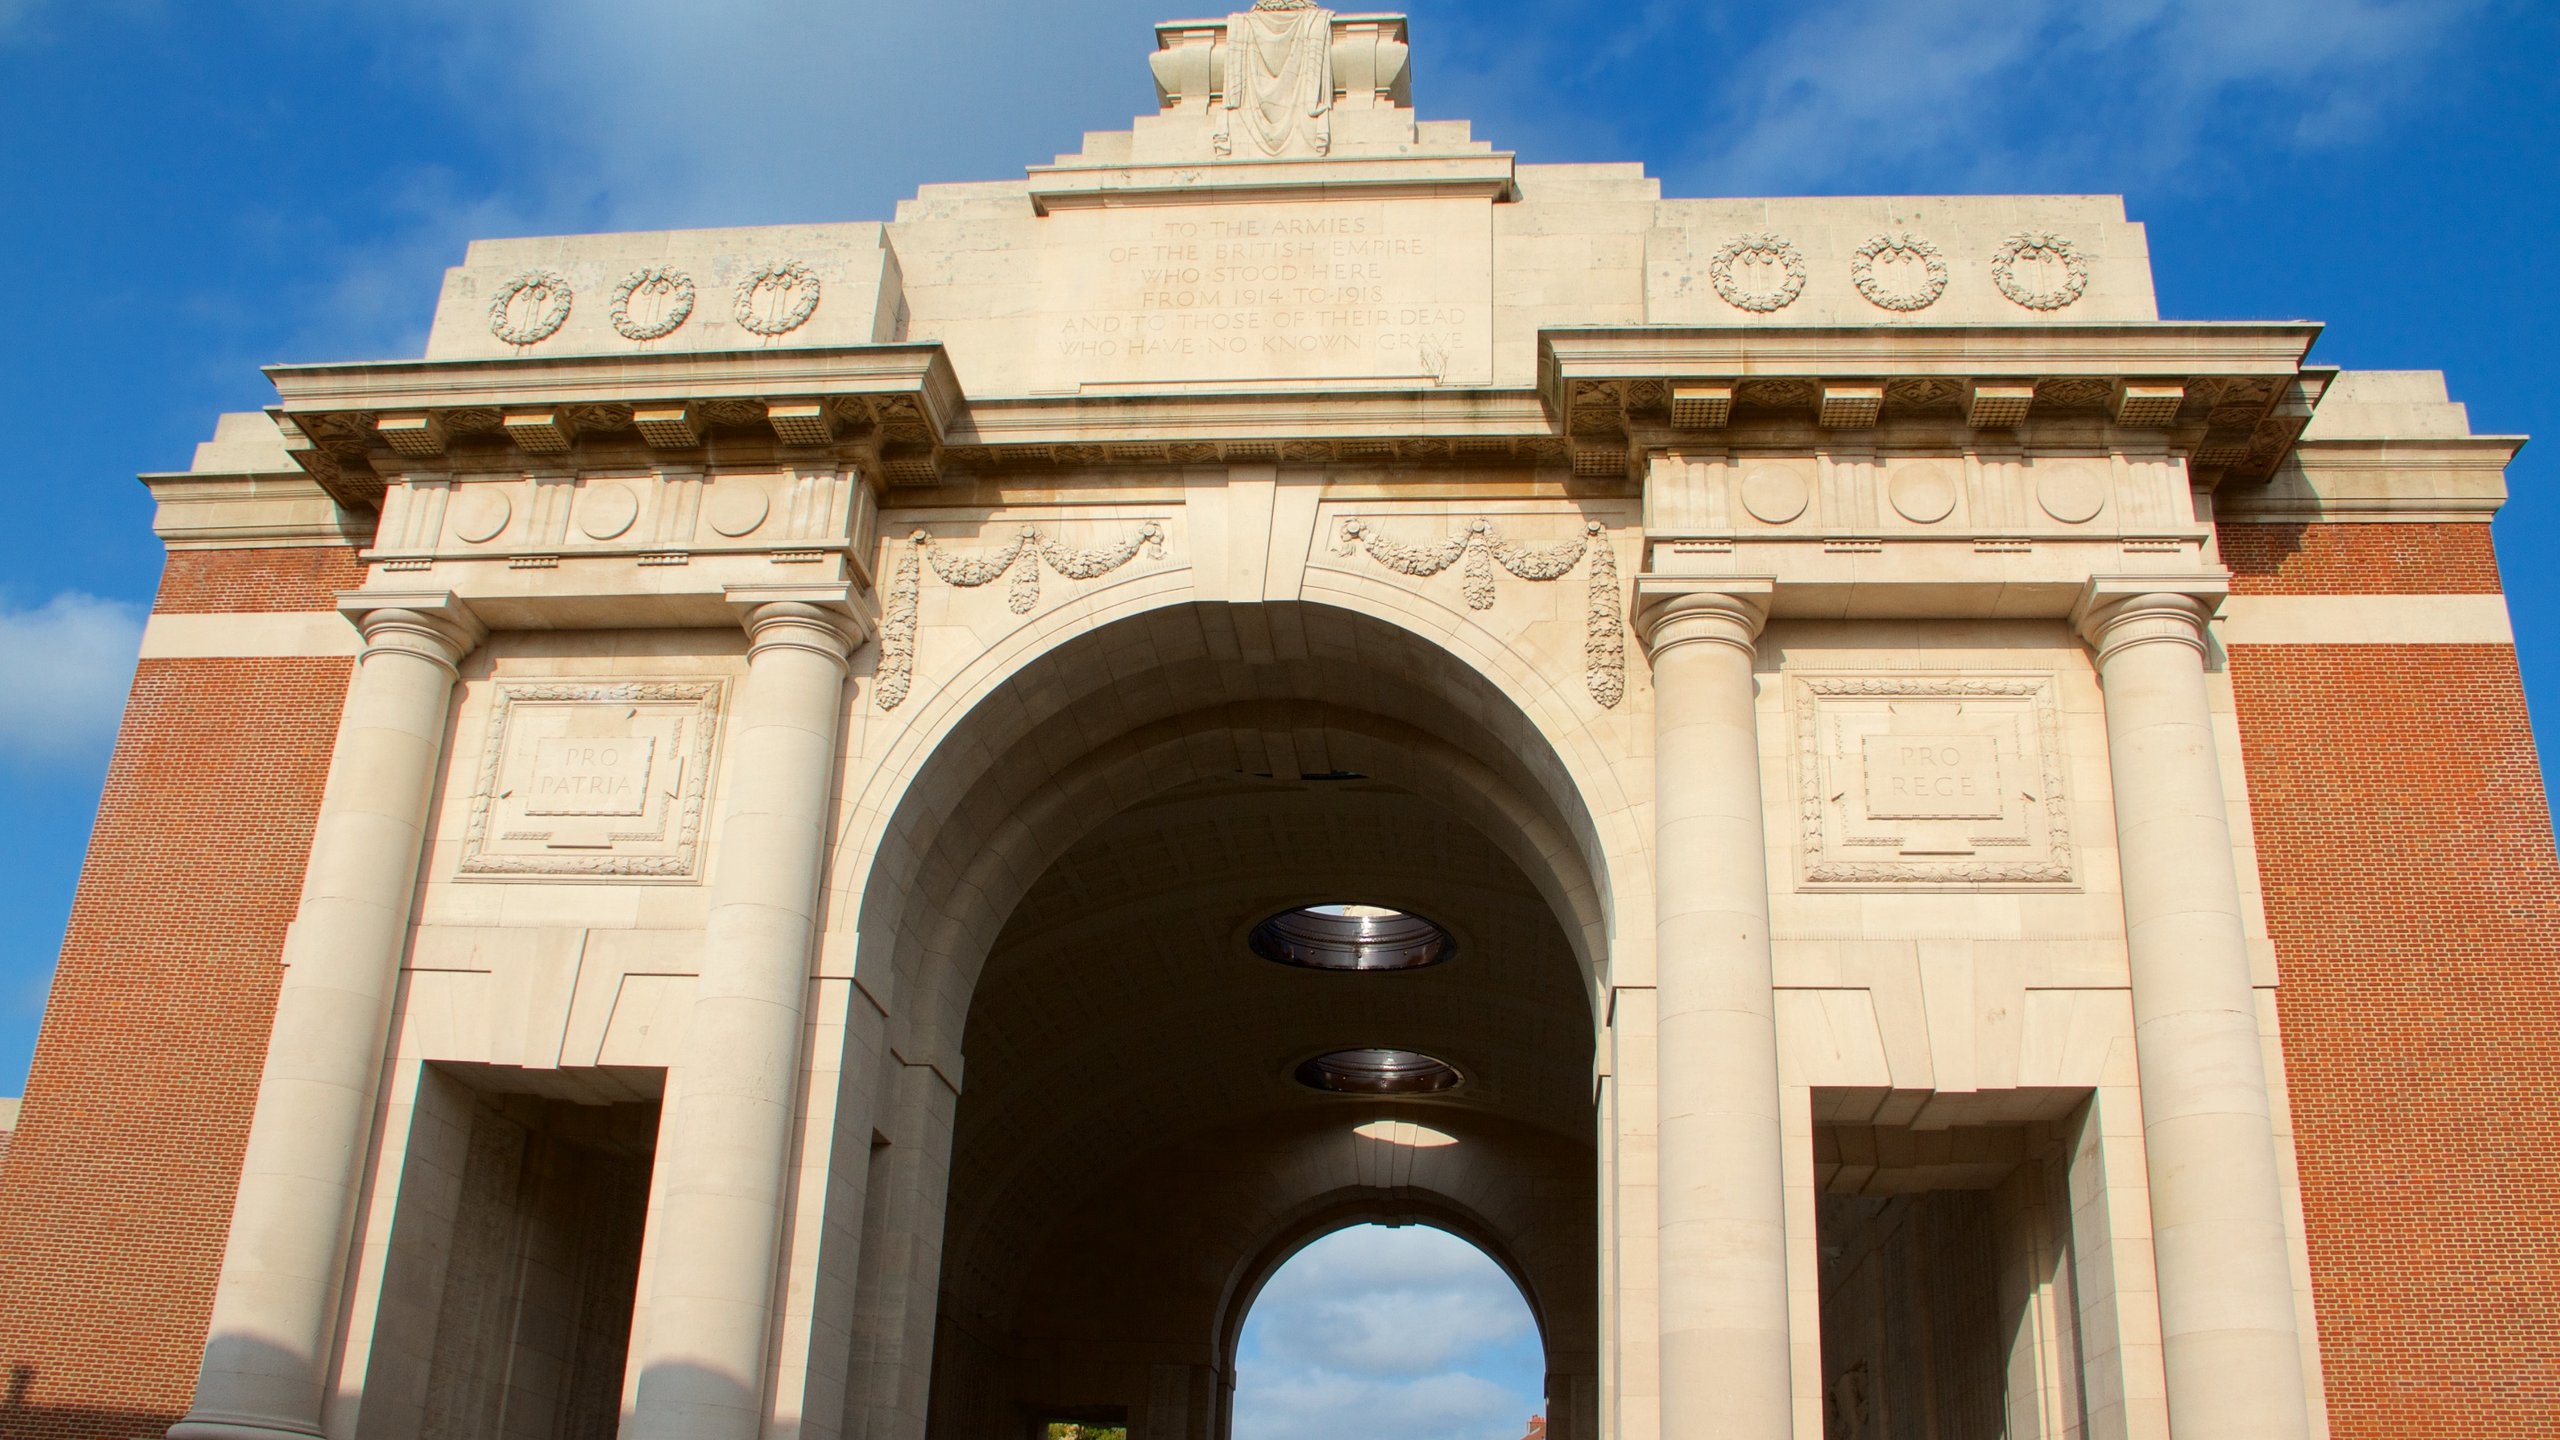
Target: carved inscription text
{"x":1288,"y":290}
{"x":591,"y":776}
{"x":1932,"y":777}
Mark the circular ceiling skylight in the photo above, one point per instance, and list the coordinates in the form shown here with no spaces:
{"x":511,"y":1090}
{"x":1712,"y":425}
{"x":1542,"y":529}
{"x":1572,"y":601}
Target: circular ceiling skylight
{"x":1378,"y":1072}
{"x":1351,"y":937}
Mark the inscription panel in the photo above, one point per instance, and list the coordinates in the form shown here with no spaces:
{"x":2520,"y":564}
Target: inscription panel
{"x":1389,"y":289}
{"x":1931,"y":777}
{"x":593,"y":780}
{"x":602,"y":775}
{"x":1930,"y":780}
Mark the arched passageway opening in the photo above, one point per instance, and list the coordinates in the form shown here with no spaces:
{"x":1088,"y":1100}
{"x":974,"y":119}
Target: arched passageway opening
{"x":1165,"y":1096}
{"x":1406,"y":1330}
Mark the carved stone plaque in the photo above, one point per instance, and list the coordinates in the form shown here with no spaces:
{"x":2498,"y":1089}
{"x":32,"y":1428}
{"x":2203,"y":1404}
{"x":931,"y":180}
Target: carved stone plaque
{"x":584,"y":780}
{"x":1908,"y":780}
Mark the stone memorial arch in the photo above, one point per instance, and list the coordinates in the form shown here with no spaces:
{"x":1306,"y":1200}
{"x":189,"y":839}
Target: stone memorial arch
{"x":853,"y":831}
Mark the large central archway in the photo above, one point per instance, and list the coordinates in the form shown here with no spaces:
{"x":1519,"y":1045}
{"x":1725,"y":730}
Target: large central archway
{"x":1132,"y":1150}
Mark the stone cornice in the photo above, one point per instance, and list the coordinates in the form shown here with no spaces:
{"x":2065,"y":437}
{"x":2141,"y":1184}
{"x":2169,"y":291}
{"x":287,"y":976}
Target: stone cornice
{"x":415,"y":384}
{"x":1081,"y":187}
{"x":2442,"y":478}
{"x":2230,"y":396}
{"x":248,"y":512}
{"x":883,"y":406}
{"x":2166,"y":349}
{"x":2229,"y":400}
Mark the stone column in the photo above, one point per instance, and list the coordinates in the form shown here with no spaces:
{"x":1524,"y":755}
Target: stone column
{"x":2232,"y":1352}
{"x":727,"y":1150}
{"x":1725,"y":1339}
{"x":275,"y":1306}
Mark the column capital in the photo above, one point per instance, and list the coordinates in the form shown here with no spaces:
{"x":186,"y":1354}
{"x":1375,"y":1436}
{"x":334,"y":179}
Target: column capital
{"x":434,"y":625}
{"x":1728,"y":609}
{"x":818,"y":618}
{"x":2116,"y":612}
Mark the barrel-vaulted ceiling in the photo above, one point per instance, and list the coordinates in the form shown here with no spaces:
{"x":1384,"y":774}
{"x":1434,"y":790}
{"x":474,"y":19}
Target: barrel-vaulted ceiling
{"x":1122,"y":1015}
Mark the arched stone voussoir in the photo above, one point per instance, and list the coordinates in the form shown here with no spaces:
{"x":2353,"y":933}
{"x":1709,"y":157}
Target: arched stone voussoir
{"x":993,"y":759}
{"x":1042,"y":817}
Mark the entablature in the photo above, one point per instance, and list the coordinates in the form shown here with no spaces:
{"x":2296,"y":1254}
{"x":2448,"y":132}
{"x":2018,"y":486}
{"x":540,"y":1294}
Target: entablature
{"x":2011,"y":445}
{"x":2230,"y":399}
{"x":882,"y":407}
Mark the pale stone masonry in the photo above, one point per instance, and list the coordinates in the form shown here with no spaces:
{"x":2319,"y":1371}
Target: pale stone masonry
{"x":825,"y":706}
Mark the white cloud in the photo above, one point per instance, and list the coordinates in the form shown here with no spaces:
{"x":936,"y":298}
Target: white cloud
{"x":655,"y":113}
{"x":1409,"y":1332}
{"x":69,"y":662}
{"x":2037,"y":92}
{"x":666,"y":114}
{"x":646,"y":114}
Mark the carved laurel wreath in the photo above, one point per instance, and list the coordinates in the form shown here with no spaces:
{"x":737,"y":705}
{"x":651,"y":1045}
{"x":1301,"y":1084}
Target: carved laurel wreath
{"x":1907,"y":246}
{"x":2038,"y":245}
{"x":1771,"y":249}
{"x":551,"y":288}
{"x":1479,"y":550}
{"x":966,"y":570}
{"x":789,"y":276}
{"x":675,"y":285}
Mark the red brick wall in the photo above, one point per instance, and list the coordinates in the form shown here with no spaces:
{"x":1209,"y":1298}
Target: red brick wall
{"x":2414,"y":896}
{"x":117,"y":1193}
{"x":2415,"y":559}
{"x":207,"y":582}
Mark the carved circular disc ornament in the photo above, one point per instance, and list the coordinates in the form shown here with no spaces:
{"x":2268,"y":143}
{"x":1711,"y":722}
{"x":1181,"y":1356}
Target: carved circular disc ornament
{"x":479,"y":515}
{"x":1899,"y":254}
{"x":777,"y":299}
{"x":738,"y":508}
{"x":1774,"y":494}
{"x":1759,"y":273}
{"x":2040,"y":271}
{"x":1922,"y":494}
{"x":606,"y":511}
{"x":531,"y":307}
{"x":2072,"y":494}
{"x":651,"y":302}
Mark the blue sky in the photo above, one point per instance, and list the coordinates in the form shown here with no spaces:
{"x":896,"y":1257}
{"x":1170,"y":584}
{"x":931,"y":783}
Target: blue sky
{"x":1409,"y":1332}
{"x":194,"y":190}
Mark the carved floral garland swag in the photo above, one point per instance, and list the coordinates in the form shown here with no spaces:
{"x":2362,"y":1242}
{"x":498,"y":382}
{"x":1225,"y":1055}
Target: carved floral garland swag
{"x":1479,"y":550}
{"x":1022,"y":559}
